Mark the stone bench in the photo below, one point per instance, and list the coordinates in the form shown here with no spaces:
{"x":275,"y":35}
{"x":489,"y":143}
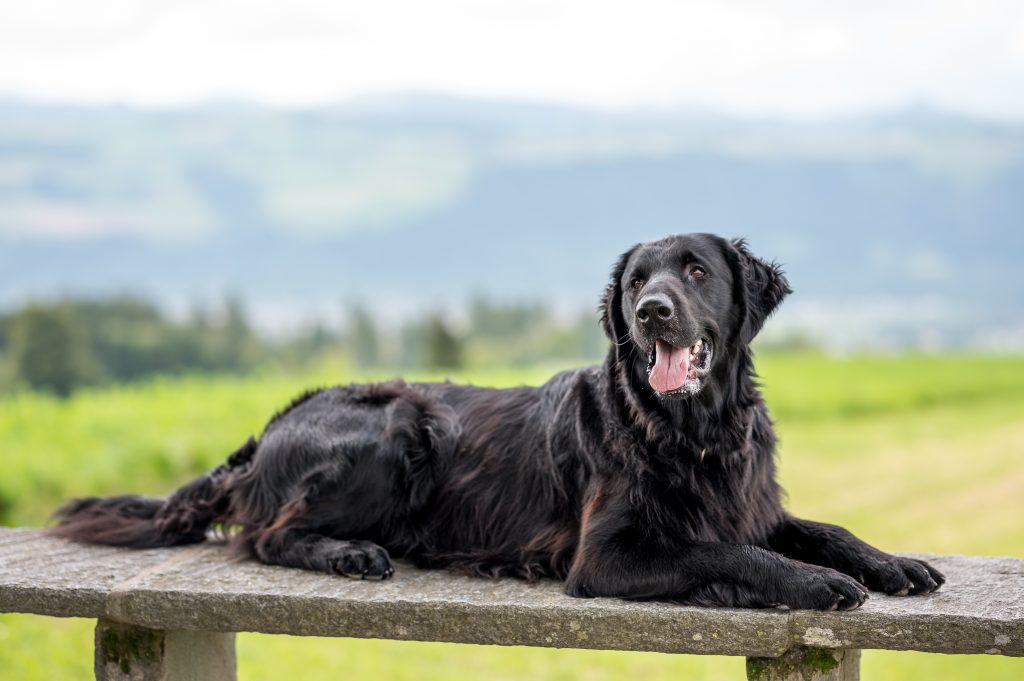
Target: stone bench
{"x":172,"y":613}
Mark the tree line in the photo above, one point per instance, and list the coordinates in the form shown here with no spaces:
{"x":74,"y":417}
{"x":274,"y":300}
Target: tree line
{"x":60,"y":345}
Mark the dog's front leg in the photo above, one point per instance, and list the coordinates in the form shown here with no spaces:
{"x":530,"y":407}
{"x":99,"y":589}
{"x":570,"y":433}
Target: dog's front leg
{"x":838,"y":548}
{"x":619,"y":557}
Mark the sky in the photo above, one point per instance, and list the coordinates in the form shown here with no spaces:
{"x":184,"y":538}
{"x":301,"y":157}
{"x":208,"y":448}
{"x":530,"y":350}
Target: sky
{"x":786,"y":58}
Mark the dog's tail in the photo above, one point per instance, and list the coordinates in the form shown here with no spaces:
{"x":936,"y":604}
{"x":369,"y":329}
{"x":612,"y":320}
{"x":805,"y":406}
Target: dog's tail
{"x":146,"y":522}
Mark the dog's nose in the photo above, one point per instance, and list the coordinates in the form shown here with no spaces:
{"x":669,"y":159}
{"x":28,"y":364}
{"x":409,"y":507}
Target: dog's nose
{"x":654,"y":306}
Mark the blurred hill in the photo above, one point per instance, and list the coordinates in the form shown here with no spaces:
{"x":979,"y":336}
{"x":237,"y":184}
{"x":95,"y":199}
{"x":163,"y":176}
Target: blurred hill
{"x":903,"y":229}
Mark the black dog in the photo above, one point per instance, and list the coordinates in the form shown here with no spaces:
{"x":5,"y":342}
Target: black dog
{"x":648,"y":477}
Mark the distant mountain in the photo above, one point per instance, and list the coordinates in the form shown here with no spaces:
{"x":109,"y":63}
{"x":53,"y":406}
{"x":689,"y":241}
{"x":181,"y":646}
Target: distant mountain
{"x":894,"y":228}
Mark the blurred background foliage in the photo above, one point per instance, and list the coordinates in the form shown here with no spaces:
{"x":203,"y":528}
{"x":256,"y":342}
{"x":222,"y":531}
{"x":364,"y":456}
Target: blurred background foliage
{"x":59,"y":345}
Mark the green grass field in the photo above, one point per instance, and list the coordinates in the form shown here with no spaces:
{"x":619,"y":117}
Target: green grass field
{"x":912,"y":453}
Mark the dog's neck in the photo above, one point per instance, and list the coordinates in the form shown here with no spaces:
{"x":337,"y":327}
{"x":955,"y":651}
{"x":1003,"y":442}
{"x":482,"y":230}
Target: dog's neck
{"x":715,"y":419}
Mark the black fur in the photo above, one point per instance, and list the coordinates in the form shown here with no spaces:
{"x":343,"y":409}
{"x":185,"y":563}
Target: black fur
{"x":593,"y":478}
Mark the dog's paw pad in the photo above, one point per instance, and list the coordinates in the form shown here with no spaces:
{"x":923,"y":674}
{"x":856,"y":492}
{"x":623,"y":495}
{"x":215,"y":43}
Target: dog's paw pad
{"x":360,"y":560}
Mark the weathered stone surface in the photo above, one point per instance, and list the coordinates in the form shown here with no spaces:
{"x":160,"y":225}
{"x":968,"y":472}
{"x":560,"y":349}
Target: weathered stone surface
{"x":979,"y":610}
{"x":806,"y":664}
{"x":129,"y":653}
{"x":430,"y":605}
{"x":51,"y":577}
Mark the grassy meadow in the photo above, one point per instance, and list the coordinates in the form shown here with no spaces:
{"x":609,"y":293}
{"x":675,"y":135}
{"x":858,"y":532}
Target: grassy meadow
{"x":912,"y":453}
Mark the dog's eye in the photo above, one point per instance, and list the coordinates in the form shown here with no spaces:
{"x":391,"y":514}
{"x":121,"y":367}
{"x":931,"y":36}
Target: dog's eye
{"x":637,"y":284}
{"x":698,"y":272}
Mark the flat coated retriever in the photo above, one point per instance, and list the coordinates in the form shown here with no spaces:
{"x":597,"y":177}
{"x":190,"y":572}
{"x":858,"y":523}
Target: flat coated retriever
{"x":651,"y":476}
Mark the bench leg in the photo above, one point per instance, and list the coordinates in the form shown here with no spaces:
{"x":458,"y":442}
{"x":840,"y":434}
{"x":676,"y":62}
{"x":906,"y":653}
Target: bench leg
{"x":125,"y":652}
{"x":806,"y":664}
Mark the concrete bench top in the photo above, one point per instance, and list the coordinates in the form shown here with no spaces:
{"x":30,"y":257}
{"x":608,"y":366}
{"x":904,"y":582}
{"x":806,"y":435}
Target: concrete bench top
{"x":979,"y":610}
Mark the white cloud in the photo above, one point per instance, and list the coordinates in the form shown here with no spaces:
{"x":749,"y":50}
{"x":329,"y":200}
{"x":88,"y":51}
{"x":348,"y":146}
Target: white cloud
{"x":791,"y":57}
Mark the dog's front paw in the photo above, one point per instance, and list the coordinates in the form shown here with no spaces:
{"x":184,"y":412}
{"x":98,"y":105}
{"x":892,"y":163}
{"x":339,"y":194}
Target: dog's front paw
{"x":823,"y":589}
{"x":898,"y":576}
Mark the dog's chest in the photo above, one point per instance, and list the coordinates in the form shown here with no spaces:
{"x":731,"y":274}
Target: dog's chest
{"x":711,"y":498}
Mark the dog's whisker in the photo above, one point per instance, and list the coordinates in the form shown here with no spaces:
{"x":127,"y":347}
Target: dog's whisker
{"x":625,"y":339}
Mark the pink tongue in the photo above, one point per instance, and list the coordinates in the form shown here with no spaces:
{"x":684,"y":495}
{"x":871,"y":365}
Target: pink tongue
{"x":670,"y":367}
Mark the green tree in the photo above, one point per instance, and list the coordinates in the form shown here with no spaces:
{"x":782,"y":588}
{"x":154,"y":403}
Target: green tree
{"x":50,"y":350}
{"x":491,"y":319}
{"x":443,"y":348}
{"x":363,"y":340}
{"x":237,"y":336}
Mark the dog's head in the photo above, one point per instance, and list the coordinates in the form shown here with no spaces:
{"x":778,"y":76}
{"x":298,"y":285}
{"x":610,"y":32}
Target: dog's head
{"x":685,"y":303}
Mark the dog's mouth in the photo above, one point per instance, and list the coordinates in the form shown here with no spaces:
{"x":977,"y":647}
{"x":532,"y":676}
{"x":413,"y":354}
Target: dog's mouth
{"x":676,"y":370}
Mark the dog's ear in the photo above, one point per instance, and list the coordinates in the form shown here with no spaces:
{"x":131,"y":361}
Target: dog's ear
{"x":612,"y":321}
{"x":759,"y":287}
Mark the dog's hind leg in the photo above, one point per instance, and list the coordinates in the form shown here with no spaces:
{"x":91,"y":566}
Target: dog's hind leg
{"x":331,"y":504}
{"x":328,"y":491}
{"x":294,"y":547}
